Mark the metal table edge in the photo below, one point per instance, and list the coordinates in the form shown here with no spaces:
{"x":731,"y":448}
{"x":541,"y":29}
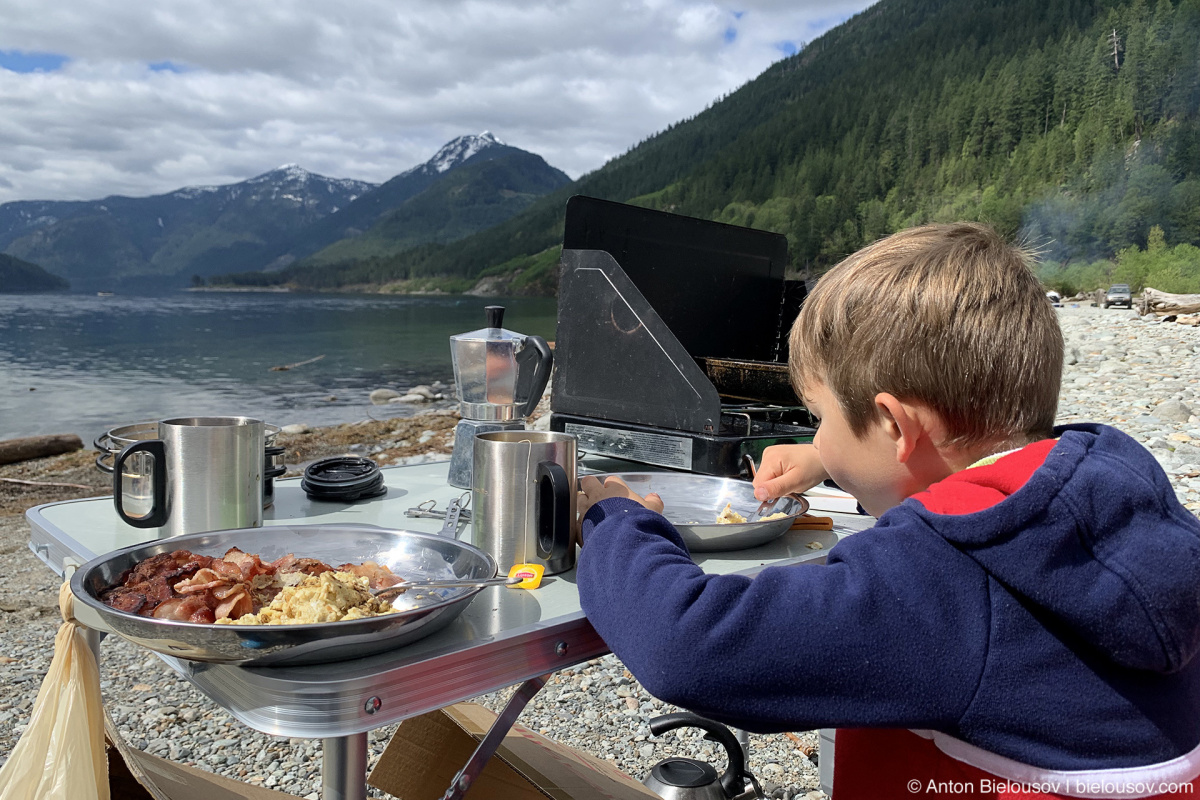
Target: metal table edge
{"x":53,"y":550}
{"x":324,"y":710}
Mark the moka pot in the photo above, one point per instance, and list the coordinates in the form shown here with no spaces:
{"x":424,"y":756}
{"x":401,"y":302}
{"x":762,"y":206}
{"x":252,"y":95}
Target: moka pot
{"x":500,"y":376}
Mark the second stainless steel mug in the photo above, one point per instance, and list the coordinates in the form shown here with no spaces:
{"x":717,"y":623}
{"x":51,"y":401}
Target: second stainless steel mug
{"x":200,"y":474}
{"x":523,"y":498}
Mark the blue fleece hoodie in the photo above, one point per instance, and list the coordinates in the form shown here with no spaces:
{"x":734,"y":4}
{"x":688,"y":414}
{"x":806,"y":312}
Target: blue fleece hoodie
{"x":1057,"y":627}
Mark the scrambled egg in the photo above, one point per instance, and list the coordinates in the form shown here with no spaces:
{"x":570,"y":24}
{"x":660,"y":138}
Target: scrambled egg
{"x":328,"y":597}
{"x":729,"y":517}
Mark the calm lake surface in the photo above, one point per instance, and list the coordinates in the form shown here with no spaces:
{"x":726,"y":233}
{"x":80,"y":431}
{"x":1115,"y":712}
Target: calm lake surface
{"x":76,"y":363}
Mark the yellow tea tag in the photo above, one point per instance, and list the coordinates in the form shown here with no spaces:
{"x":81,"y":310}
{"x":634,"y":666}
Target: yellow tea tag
{"x":530,"y":575}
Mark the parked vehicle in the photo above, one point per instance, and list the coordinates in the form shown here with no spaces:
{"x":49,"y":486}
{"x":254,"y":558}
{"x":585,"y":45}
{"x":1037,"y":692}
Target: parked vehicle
{"x":1054,"y":297}
{"x":1118,"y":295}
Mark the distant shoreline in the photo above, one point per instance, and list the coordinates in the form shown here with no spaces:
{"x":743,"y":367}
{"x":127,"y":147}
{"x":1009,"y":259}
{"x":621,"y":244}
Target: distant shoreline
{"x":237,"y":289}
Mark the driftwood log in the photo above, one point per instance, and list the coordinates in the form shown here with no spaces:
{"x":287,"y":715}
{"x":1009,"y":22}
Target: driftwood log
{"x":14,"y":450}
{"x":1156,"y":302}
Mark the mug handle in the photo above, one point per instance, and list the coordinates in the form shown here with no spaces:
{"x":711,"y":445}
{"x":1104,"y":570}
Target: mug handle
{"x":541,"y":373}
{"x":157,"y":516}
{"x":554,"y":511}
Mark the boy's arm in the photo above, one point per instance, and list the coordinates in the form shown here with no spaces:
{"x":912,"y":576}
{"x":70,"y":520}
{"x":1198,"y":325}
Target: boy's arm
{"x":890,"y":633}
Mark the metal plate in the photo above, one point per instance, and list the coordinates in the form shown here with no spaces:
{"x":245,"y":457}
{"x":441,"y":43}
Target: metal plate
{"x":408,"y":554}
{"x":693,"y":502}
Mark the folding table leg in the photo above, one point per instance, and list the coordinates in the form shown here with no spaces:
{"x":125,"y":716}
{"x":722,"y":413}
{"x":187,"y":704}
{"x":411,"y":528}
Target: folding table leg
{"x":93,"y":639}
{"x":495,"y":735}
{"x":344,"y":767}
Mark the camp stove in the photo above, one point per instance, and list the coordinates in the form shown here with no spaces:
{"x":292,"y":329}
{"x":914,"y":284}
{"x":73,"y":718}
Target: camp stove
{"x":671,"y":346}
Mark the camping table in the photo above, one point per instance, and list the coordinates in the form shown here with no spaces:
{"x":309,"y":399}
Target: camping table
{"x":502,"y":638}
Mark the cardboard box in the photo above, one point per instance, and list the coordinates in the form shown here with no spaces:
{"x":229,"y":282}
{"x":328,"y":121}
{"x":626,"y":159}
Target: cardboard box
{"x":428,"y":751}
{"x":134,"y":775}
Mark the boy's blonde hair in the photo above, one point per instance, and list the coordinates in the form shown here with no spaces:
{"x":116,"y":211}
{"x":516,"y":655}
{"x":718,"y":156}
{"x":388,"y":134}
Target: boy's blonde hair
{"x":949,"y":315}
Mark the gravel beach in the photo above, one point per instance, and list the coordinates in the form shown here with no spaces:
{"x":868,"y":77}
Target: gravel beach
{"x":1138,"y":374}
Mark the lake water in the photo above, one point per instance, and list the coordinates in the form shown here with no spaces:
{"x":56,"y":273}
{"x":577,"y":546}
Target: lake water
{"x":76,"y":363}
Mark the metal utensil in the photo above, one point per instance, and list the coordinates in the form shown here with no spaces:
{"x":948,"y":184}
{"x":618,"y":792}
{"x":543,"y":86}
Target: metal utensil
{"x":692,"y":503}
{"x":417,"y":556}
{"x":429,"y":510}
{"x":453,"y":512}
{"x":765,"y":505}
{"x":404,"y":586}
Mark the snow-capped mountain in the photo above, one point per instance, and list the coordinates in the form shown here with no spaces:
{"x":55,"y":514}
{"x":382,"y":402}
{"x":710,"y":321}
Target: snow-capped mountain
{"x":458,"y":151}
{"x":165,"y":239}
{"x":267,"y":221}
{"x":415,"y":194}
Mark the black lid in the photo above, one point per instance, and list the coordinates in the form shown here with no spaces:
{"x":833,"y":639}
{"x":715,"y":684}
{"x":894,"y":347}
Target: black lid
{"x":344,"y":478}
{"x":685,"y":773}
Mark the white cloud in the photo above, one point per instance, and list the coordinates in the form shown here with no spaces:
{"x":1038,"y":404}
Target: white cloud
{"x":360,"y":90}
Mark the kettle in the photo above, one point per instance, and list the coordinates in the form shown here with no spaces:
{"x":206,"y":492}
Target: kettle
{"x":688,"y":779}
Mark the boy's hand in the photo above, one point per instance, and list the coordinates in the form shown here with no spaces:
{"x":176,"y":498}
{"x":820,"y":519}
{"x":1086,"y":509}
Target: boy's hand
{"x":591,"y":491}
{"x":787,"y":468}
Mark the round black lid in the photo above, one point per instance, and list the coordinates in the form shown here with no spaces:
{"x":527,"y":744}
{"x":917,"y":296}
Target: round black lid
{"x":686,"y":773}
{"x":344,"y":478}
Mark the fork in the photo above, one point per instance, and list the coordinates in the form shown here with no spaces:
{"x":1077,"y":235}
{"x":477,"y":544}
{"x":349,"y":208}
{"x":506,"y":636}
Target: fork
{"x":765,"y":505}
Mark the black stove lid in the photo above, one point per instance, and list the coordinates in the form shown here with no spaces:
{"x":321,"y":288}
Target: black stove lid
{"x":719,"y":288}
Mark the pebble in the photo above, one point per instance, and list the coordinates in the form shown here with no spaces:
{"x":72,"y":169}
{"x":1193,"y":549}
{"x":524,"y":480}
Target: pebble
{"x":296,"y":429}
{"x":1154,"y":393}
{"x":407,"y":398}
{"x":381,"y":396}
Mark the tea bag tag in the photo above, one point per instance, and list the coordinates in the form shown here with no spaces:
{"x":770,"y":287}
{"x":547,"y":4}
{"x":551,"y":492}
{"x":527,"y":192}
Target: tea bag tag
{"x":530,"y":575}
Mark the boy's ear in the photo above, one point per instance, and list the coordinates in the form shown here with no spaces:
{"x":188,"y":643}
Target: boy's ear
{"x":905,"y":423}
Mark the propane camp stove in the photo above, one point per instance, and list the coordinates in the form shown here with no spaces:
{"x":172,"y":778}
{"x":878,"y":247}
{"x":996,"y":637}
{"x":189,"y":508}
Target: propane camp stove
{"x":671,"y":346}
{"x":743,"y":431}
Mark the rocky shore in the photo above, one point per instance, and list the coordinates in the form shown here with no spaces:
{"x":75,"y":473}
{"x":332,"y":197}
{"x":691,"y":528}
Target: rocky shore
{"x":1139,"y":374}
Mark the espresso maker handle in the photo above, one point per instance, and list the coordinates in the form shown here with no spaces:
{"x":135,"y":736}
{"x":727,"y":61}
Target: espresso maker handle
{"x":157,"y":516}
{"x":541,"y":373}
{"x":554,"y":511}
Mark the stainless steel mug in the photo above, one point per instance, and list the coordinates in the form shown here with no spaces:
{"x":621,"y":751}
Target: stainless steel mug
{"x":523,"y":498}
{"x":201,"y":474}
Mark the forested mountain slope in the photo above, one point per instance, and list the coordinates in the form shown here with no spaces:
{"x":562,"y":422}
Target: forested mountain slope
{"x":1075,"y":122}
{"x":21,"y":276}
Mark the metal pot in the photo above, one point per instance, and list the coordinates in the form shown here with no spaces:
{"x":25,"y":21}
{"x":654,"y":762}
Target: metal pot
{"x":137,"y":468}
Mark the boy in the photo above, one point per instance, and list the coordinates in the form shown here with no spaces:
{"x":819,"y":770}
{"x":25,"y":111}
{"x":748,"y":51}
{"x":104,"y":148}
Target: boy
{"x":1024,"y":616}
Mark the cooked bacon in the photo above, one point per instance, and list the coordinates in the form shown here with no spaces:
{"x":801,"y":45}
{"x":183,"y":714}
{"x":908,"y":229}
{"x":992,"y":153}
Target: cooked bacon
{"x":186,"y":587}
{"x":224,"y":592}
{"x":166,"y":566}
{"x":184,"y":609}
{"x":122,"y":599}
{"x":250,"y":565}
{"x":309,"y":566}
{"x":203,"y":581}
{"x":378,"y":575}
{"x":235,"y":604}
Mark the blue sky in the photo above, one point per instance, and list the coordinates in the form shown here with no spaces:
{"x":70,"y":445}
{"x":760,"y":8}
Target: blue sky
{"x":104,"y":97}
{"x":16,"y":61}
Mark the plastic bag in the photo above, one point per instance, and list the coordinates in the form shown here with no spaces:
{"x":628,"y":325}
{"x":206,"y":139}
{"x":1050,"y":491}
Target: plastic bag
{"x":61,"y":756}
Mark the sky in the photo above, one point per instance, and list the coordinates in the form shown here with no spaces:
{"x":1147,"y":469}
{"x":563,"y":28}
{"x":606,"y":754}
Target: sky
{"x":101,"y":97}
